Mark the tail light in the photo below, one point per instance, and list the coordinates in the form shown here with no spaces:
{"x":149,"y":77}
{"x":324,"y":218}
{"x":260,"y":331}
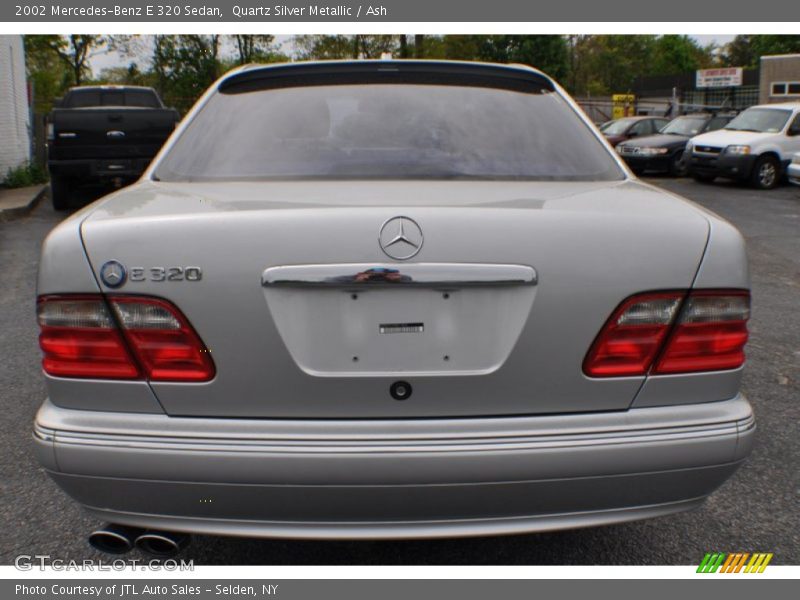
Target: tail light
{"x":130,"y":337}
{"x":79,"y":339}
{"x":672,"y":332}
{"x":710,"y":335}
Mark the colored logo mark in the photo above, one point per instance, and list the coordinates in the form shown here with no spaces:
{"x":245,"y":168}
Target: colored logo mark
{"x":737,"y":562}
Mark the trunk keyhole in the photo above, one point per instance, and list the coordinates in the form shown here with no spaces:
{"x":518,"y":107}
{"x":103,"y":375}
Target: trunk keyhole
{"x":400,"y":390}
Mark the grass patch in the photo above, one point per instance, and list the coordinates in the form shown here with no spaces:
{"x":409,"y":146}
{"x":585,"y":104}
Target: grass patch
{"x":24,"y":176}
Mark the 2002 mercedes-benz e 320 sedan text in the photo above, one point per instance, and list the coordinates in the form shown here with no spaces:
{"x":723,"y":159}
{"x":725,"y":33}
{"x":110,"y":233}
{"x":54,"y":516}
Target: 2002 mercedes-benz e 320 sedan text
{"x":389,"y":299}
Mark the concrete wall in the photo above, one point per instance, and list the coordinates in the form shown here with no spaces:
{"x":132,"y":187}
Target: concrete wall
{"x":14,"y":116}
{"x":774,"y":69}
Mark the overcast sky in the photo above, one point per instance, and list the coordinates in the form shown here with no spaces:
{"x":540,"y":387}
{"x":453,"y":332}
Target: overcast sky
{"x":113,"y":59}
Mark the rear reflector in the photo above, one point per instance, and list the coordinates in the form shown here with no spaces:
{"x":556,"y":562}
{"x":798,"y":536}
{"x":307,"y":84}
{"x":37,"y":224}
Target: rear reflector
{"x":672,"y":332}
{"x":81,"y":338}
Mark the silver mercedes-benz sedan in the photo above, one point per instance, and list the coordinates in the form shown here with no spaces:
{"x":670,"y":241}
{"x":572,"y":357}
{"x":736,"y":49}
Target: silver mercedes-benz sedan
{"x":389,"y":299}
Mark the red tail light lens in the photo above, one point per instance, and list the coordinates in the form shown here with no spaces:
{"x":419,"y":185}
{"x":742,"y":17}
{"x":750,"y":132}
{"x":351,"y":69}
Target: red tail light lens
{"x":661,"y":333}
{"x":165,"y":343}
{"x":632,"y":337}
{"x":710,"y":336}
{"x":80,"y":338}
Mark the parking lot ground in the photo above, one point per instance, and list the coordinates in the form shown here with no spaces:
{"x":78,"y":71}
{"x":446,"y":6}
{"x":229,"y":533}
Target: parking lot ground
{"x":757,"y":510}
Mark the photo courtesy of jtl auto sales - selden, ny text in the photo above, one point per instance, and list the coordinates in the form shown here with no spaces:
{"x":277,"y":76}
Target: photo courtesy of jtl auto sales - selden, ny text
{"x":402,"y":300}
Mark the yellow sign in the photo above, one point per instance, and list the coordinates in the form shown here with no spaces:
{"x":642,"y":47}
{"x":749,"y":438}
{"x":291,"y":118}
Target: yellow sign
{"x":623,"y":105}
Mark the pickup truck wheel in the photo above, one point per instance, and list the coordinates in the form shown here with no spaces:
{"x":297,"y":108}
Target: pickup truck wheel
{"x":766,"y":173}
{"x":678,"y":166}
{"x":703,"y":178}
{"x":60,"y":192}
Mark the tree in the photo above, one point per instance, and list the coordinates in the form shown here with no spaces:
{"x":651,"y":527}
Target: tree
{"x":606,"y":64}
{"x":130,"y":75}
{"x":76,"y":50}
{"x":680,"y":54}
{"x":746,"y":50}
{"x":327,"y":47}
{"x":419,"y":46}
{"x":47,"y":73}
{"x":253,"y":48}
{"x":184,"y":66}
{"x":548,"y":53}
{"x":739,"y":52}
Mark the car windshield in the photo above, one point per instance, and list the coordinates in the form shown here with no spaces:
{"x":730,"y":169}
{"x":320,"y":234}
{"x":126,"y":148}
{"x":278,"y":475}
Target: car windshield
{"x":761,"y":120}
{"x":389,"y":131}
{"x":617,"y":127}
{"x":687,"y":126}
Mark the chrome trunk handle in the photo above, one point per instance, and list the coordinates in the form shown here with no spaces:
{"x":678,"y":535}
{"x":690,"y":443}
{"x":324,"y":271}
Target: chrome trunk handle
{"x":451,"y":275}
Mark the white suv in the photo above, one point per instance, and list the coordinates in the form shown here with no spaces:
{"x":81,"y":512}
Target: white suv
{"x":757,"y":145}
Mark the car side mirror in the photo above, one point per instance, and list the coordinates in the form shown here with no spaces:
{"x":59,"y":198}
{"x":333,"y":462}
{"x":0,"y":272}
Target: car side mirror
{"x":633,"y":134}
{"x":794,"y":130}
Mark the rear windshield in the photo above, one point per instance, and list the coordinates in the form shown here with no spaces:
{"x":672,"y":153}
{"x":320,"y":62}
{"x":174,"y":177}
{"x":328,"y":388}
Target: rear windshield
{"x":89,"y":98}
{"x":390,"y":131}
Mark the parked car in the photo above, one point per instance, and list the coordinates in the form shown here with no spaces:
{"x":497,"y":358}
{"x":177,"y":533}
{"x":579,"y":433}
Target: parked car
{"x":756,"y":146}
{"x":664,"y":152}
{"x":793,"y":170}
{"x":104,"y":135}
{"x":626,"y":128}
{"x":389,"y":299}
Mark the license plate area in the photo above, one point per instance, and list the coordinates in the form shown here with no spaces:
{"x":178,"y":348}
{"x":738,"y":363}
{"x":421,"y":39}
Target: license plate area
{"x":387,"y":331}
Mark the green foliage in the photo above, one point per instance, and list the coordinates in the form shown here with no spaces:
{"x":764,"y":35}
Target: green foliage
{"x":548,"y":53}
{"x":256,"y":49}
{"x":679,"y":54}
{"x":130,"y":75}
{"x":25,"y":175}
{"x":329,"y":47}
{"x":184,"y":66}
{"x":608,"y":64}
{"x":48,"y":74}
{"x":746,"y":50}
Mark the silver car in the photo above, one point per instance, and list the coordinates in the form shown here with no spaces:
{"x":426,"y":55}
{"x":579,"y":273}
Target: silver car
{"x":389,"y":299}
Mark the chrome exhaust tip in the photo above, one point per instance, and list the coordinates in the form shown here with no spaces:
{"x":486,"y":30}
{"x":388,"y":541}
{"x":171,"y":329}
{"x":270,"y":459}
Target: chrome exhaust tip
{"x":114,"y":539}
{"x":162,"y":543}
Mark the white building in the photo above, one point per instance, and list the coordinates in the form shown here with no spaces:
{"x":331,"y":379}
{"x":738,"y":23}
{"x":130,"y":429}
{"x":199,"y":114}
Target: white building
{"x":15,"y":145}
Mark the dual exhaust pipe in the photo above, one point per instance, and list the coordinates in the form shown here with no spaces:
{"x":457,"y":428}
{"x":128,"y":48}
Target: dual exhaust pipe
{"x":119,"y":539}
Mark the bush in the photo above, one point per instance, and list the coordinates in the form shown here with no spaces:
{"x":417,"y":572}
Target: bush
{"x":24,"y":176}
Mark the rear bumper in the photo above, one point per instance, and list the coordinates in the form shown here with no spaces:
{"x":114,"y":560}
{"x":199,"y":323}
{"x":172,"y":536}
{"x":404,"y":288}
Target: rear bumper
{"x":99,"y":168}
{"x":392,"y":479}
{"x":731,"y":166}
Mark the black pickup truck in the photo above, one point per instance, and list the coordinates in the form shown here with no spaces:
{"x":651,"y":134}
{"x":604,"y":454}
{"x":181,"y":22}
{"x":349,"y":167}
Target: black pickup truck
{"x":104,"y":135}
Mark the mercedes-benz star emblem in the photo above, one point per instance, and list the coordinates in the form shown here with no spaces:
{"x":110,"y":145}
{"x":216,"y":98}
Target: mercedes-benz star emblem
{"x":113,"y":273}
{"x":400,"y":238}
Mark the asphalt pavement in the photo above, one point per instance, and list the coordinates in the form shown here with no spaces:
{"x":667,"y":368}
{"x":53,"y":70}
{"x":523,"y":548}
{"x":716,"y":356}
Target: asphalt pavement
{"x":757,"y":510}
